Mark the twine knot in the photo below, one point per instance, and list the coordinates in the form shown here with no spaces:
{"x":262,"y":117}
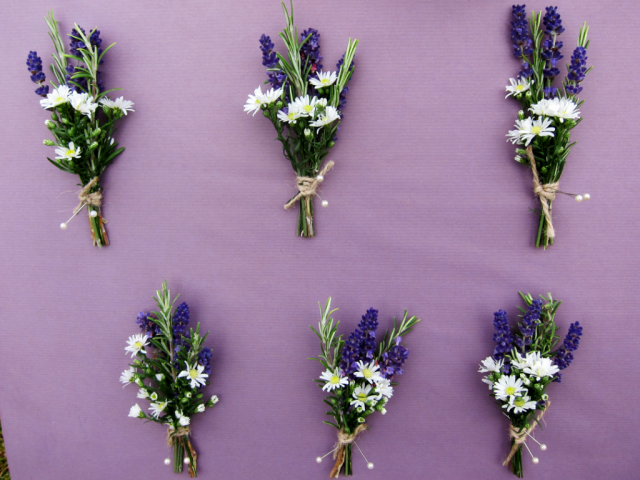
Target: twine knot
{"x":87,"y":198}
{"x":307,"y":186}
{"x":172,"y":433}
{"x":545,"y":192}
{"x":344,"y":439}
{"x":519,"y":435}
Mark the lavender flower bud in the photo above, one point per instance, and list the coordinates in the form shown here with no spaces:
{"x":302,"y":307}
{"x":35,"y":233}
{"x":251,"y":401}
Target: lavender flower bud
{"x":49,"y":143}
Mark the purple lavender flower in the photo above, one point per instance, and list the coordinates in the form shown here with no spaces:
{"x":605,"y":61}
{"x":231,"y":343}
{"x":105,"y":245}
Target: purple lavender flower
{"x":34,"y":64}
{"x":564,"y":357}
{"x":310,"y":51}
{"x":577,"y":71}
{"x":528,"y":324}
{"x":147,"y":325}
{"x":551,"y":54}
{"x":552,"y":22}
{"x":525,"y":71}
{"x":361,"y":344}
{"x":204,"y":359}
{"x":180,"y":320}
{"x":75,"y":45}
{"x":393,"y":360}
{"x":520,"y":32}
{"x":269,"y":57}
{"x":550,"y":92}
{"x":502,"y":337}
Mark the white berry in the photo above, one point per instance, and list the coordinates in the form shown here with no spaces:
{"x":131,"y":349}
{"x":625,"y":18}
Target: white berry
{"x":187,"y":461}
{"x":578,"y":198}
{"x":93,"y":214}
{"x":535,"y":460}
{"x":325,"y":203}
{"x":319,"y":460}
{"x":370,"y":466}
{"x":543,"y":447}
{"x":63,"y":226}
{"x":587,"y":196}
{"x":167,"y":461}
{"x":320,"y":178}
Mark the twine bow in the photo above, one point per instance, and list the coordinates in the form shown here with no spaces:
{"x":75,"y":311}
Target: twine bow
{"x":545,"y":192}
{"x":87,"y":198}
{"x":344,"y":439}
{"x":307,"y":186}
{"x":519,"y":436}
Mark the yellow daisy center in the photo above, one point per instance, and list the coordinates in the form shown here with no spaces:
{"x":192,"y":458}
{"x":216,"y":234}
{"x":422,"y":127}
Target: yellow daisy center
{"x":307,"y":108}
{"x":519,"y":402}
{"x":362,"y":397}
{"x":325,"y":81}
{"x":138,"y":345}
{"x":536,"y":130}
{"x":70,"y":153}
{"x":335,"y":380}
{"x":193,"y":373}
{"x":510,"y":391}
{"x":291,"y":116}
{"x":367,"y":373}
{"x":519,"y":88}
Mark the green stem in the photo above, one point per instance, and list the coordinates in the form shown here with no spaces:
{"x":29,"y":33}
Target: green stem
{"x":98,"y":230}
{"x":306,"y":228}
{"x":348,"y":470}
{"x":540,"y":227}
{"x":516,"y":463}
{"x":178,"y":455}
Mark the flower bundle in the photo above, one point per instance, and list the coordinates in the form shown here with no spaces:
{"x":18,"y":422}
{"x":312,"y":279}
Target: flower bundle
{"x":171,"y":375}
{"x":305,"y":105}
{"x":548,"y":113}
{"x":357,"y":379}
{"x":82,"y":117}
{"x":523,"y":365}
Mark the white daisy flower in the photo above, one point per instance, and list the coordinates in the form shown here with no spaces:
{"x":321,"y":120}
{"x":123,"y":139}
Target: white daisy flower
{"x":136,"y":411}
{"x":508,"y":386}
{"x":136,"y":342}
{"x":520,"y":404}
{"x":200,"y":408}
{"x":120,"y":103}
{"x":59,"y":96}
{"x":529,"y":360}
{"x":544,"y":108}
{"x":514,"y":135}
{"x":488,"y":382}
{"x":184,"y":421}
{"x":566,"y":110}
{"x":291,"y":116}
{"x":368,"y":371}
{"x":384,"y":388}
{"x":324,"y":79}
{"x":194,"y":375}
{"x":255,"y":101}
{"x":322,"y":102}
{"x":127,"y":375}
{"x":271,"y":96}
{"x":517,"y":86}
{"x":68,"y":153}
{"x":542,"y":368}
{"x":83,"y":103}
{"x":330,"y":115}
{"x":305,"y":105}
{"x":143,"y":393}
{"x":158,"y":408}
{"x":489,"y":364}
{"x":361,"y":396}
{"x":334,"y":380}
{"x":531,"y":128}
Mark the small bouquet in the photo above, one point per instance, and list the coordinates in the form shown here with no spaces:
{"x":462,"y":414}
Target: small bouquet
{"x":523,"y":365}
{"x":305,"y":106}
{"x":357,"y":379}
{"x":171,"y":368}
{"x":83,"y":136}
{"x":548,"y":113}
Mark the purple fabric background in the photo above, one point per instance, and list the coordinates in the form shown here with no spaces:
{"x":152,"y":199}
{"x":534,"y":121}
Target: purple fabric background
{"x":428,"y":212}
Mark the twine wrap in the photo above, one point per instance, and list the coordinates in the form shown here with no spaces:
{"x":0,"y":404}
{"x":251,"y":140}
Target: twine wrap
{"x":307,"y":186}
{"x":85,"y":197}
{"x":182,"y":435}
{"x":546,"y":193}
{"x":519,"y":436}
{"x":344,"y":439}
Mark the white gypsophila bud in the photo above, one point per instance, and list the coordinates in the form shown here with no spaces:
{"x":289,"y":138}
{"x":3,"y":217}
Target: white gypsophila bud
{"x":360,"y":420}
{"x":112,"y":140}
{"x":49,"y":124}
{"x":383,"y":411}
{"x":521,"y":115}
{"x":545,"y":397}
{"x":214,"y":399}
{"x":307,"y":132}
{"x":200,"y":408}
{"x":153,"y":396}
{"x":187,"y":395}
{"x":48,"y":143}
{"x":159,"y":377}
